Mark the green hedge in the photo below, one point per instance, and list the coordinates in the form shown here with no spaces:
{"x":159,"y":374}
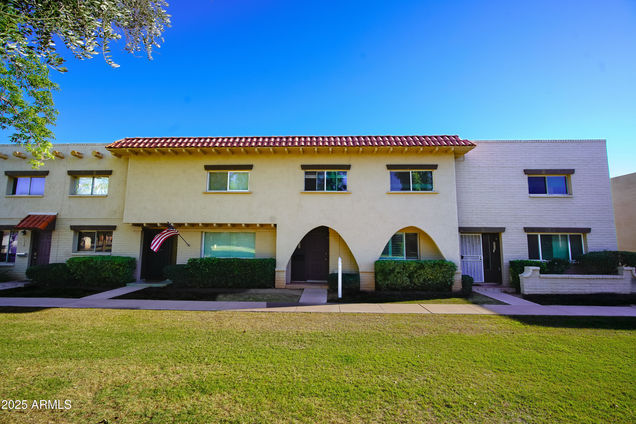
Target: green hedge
{"x":432,"y":275}
{"x":102,"y":271}
{"x":350,"y":282}
{"x":557,"y":266}
{"x":178,"y":274}
{"x":231,"y":272}
{"x":52,"y":275}
{"x":606,"y":261}
{"x":516,"y":268}
{"x":467,"y":284}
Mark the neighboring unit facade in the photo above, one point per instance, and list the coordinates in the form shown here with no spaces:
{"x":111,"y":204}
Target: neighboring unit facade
{"x":624,"y":198}
{"x":306,"y":201}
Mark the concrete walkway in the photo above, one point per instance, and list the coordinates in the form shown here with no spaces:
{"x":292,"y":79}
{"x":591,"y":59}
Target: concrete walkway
{"x":12,"y":285}
{"x":314,"y":300}
{"x":383,"y":308}
{"x":313,"y":297}
{"x":497,"y":294}
{"x":113,"y":293}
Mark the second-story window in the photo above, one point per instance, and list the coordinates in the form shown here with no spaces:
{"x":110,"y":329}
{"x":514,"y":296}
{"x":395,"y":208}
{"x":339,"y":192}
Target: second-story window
{"x":90,"y":183}
{"x":411,"y":178}
{"x":550,"y":185}
{"x":549,"y":182}
{"x":90,"y":186}
{"x":28,"y":186}
{"x":325,"y":180}
{"x":228,"y":178}
{"x":228,"y":181}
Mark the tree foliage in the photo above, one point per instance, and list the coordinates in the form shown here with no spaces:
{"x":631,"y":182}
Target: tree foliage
{"x":29,"y":30}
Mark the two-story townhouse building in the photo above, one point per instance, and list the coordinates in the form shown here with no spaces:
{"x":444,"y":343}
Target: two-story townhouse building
{"x":306,"y":201}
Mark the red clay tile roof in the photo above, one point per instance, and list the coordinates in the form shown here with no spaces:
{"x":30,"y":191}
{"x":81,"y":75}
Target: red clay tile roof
{"x":290,"y":141}
{"x":35,"y":222}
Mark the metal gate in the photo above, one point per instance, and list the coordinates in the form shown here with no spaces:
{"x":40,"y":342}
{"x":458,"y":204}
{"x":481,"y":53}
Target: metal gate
{"x":472,"y":258}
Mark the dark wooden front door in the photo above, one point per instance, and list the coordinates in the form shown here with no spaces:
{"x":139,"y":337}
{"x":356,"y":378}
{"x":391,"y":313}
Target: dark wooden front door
{"x":40,"y":247}
{"x":492,"y":257}
{"x":152,"y":263}
{"x":310,"y":261}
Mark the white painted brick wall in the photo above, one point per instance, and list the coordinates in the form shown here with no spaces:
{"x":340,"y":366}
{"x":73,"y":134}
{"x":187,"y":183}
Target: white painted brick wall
{"x":492,"y":191}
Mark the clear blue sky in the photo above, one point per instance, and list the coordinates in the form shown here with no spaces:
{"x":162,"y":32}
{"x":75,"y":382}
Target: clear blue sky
{"x":479,"y":69}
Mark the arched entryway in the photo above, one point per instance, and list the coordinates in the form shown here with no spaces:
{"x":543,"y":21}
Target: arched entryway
{"x":316,"y":256}
{"x":310,"y":260}
{"x":410,"y":243}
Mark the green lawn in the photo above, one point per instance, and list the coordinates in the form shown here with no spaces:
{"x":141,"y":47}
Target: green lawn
{"x":227,"y":295}
{"x":121,"y":366}
{"x":37,"y":291}
{"x":412,"y":297}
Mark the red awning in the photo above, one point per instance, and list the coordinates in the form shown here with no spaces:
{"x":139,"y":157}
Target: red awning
{"x":37,"y":222}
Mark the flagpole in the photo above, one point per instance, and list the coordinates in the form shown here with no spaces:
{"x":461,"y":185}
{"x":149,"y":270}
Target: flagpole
{"x":179,"y":234}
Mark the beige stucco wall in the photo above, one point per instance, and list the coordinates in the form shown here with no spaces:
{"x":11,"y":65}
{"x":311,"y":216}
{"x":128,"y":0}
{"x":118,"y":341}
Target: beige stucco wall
{"x":57,"y":196}
{"x":338,"y":249}
{"x":365,"y":217}
{"x":159,"y":188}
{"x":492,"y":191}
{"x":624,"y":199}
{"x":71,"y":210}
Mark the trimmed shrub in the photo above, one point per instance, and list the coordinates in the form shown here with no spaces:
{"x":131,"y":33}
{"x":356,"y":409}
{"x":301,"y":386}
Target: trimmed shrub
{"x":5,"y":275}
{"x":606,"y":261}
{"x":431,"y":275}
{"x":557,"y":266}
{"x":102,"y":271}
{"x":516,"y":268}
{"x":178,"y":274}
{"x":467,"y":284}
{"x":52,"y":275}
{"x":350,"y":282}
{"x":231,"y":272}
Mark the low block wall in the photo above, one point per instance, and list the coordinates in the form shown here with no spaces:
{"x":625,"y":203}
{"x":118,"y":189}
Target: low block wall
{"x":532,"y":282}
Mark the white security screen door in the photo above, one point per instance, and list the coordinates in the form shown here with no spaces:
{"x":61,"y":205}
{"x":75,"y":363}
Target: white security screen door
{"x":472,"y":259}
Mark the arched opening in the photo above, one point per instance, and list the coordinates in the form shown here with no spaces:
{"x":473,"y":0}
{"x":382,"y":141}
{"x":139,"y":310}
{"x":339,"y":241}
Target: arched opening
{"x":411,"y":243}
{"x":316,"y":256}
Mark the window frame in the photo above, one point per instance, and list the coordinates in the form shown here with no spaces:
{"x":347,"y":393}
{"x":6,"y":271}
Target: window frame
{"x":570,"y":259}
{"x":410,"y":171}
{"x":227,"y":182}
{"x":14,"y":185}
{"x":203,"y":233}
{"x":403,"y":257}
{"x":568,"y":185}
{"x":76,"y":241}
{"x":75,"y":178}
{"x":4,"y":259}
{"x":324,"y":172}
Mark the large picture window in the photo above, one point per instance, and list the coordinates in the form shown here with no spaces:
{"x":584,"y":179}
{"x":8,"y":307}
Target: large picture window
{"x":28,"y":186}
{"x":555,"y":246}
{"x":94,"y":241}
{"x":229,"y":245}
{"x":411,"y":180}
{"x":325,"y":180}
{"x":228,"y":181}
{"x":401,"y":246}
{"x":8,"y":246}
{"x":90,"y":186}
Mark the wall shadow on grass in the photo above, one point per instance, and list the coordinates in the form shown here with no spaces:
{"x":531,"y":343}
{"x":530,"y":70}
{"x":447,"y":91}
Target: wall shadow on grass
{"x":603,"y":323}
{"x":19,"y":309}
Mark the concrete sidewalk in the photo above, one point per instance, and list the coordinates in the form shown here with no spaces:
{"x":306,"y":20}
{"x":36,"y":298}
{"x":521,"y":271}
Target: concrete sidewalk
{"x":497,"y":294}
{"x":381,"y":308}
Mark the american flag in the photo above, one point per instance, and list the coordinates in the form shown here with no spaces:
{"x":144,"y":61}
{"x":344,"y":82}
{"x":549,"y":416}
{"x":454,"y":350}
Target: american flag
{"x":158,"y":240}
